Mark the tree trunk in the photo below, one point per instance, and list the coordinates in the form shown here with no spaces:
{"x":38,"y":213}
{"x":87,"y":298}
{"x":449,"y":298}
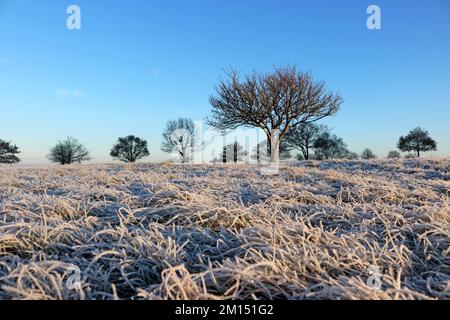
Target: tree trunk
{"x":181,"y":156}
{"x":306,"y":156}
{"x":258,"y":154}
{"x":274,"y":141}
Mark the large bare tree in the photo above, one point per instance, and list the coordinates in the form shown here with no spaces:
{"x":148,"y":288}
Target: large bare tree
{"x":274,"y":102}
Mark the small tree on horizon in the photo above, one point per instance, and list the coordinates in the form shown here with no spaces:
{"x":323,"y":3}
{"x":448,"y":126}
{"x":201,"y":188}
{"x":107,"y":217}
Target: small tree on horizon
{"x":129,"y":149}
{"x":233,"y":152}
{"x":68,"y":151}
{"x":304,"y":136}
{"x":417,"y":140}
{"x":393,"y":154}
{"x":367,"y":154}
{"x":179,"y":137}
{"x":349,"y":155}
{"x":274,"y":102}
{"x":8,"y":153}
{"x":329,"y":146}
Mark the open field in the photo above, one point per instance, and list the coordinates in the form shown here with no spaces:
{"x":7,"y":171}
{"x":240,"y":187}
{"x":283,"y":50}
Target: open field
{"x":314,"y":231}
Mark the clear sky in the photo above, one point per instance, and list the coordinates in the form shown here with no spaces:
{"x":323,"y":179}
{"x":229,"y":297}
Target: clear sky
{"x":136,"y":64}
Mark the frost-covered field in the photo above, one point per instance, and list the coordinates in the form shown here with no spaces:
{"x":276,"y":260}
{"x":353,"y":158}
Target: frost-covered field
{"x":317,"y":230}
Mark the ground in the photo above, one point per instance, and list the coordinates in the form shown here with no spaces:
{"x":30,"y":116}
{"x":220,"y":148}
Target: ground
{"x":317,"y":230}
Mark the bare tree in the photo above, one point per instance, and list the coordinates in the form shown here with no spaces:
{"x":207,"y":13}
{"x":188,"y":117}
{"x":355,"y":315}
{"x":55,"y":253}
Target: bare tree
{"x":417,"y":140}
{"x":274,"y":102}
{"x":303,"y":137}
{"x":129,"y":149}
{"x":68,"y":151}
{"x":179,"y":136}
{"x":8,"y":152}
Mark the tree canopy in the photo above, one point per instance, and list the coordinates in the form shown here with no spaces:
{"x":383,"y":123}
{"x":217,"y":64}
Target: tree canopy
{"x":393,"y":154}
{"x":329,"y":146}
{"x":129,"y":149}
{"x":8,"y":153}
{"x":368,"y":154}
{"x":179,"y":136}
{"x":417,"y":140}
{"x":303,"y":137}
{"x":274,"y":102}
{"x":69,"y":151}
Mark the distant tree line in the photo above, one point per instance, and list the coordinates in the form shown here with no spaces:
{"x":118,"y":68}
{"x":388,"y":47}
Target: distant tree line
{"x":313,"y":142}
{"x":285,"y":105}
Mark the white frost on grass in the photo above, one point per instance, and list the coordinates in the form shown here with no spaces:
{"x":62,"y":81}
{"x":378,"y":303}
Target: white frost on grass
{"x":226,"y":232}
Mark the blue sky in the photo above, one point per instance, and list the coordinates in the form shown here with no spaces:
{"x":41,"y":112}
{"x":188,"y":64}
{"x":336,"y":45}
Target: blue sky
{"x":136,"y":64}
